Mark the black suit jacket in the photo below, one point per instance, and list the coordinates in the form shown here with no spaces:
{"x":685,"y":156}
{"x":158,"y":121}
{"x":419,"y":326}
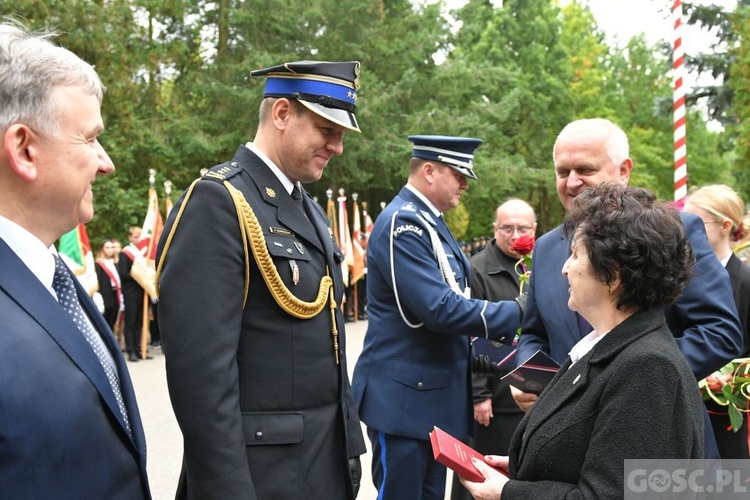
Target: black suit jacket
{"x":739,"y":275}
{"x":107,"y":289}
{"x":632,"y":396}
{"x":264,"y":410}
{"x":493,"y":277}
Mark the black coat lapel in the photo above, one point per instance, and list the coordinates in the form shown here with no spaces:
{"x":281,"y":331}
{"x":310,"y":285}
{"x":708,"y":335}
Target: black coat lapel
{"x":272,"y":192}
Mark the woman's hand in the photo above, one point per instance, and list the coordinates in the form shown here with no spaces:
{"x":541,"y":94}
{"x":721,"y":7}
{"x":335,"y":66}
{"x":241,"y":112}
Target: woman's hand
{"x":494,"y":481}
{"x":524,"y":400}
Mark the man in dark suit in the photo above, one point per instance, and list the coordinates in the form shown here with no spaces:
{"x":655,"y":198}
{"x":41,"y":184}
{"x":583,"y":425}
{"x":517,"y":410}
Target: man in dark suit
{"x":133,"y":294}
{"x":69,"y":423}
{"x":704,"y":318}
{"x":109,"y":283}
{"x":250,"y":286}
{"x":495,"y":276}
{"x":413,"y":373}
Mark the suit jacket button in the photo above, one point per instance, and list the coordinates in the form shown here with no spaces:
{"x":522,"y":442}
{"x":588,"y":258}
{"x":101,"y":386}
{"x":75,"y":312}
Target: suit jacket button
{"x":420,"y":385}
{"x":258,"y":435}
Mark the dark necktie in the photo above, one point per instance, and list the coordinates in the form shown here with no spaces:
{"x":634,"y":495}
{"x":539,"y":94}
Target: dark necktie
{"x":62,"y":283}
{"x":297,"y":197}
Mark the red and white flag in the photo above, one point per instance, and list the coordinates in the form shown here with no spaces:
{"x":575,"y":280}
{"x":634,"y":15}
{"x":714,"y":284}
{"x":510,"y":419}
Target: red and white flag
{"x":368,"y":226}
{"x":358,"y":253}
{"x":152,"y":227}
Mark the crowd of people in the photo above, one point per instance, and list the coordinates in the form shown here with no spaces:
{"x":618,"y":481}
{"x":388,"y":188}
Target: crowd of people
{"x":251,"y":324}
{"x":123,"y":296}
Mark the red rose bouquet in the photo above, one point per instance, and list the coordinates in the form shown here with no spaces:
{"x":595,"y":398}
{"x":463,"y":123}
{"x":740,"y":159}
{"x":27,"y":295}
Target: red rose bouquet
{"x":524,"y":246}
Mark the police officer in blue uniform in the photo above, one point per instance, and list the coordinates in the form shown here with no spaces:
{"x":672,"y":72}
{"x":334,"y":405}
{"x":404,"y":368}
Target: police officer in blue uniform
{"x":414,"y":370}
{"x":250,"y":283}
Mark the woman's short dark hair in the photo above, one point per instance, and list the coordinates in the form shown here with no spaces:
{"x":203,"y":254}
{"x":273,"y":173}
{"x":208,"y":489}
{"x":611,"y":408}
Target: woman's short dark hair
{"x":625,"y":229}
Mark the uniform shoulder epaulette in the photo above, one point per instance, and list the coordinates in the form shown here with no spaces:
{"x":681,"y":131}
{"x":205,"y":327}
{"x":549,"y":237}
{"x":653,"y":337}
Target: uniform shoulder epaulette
{"x":409,"y":207}
{"x":223,"y":172}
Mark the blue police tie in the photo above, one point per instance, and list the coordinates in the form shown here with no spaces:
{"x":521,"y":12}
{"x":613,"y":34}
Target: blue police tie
{"x":62,"y":283}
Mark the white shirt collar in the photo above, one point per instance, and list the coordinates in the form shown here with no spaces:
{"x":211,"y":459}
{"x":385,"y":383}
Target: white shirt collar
{"x":584,"y":346}
{"x":30,"y":249}
{"x":435,"y":211}
{"x":725,"y":260}
{"x":288,"y":184}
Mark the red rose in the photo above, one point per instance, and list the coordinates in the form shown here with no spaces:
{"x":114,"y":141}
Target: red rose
{"x":524,"y":244}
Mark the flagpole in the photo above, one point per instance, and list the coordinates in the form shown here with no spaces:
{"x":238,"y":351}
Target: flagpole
{"x":146,"y":298}
{"x":355,"y":286}
{"x":168,"y":194}
{"x":680,"y":124}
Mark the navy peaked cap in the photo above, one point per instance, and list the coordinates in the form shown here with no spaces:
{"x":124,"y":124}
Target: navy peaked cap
{"x":456,"y":152}
{"x":326,"y":88}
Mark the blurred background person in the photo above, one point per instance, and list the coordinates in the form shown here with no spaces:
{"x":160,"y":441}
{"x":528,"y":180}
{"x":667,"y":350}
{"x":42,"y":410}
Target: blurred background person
{"x":109,"y":282}
{"x":133,"y":293}
{"x":116,"y":249}
{"x":494,"y":277}
{"x":625,"y":391}
{"x":722,"y":211}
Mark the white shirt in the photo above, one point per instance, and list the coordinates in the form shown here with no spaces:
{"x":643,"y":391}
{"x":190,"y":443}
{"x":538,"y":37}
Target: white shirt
{"x":285,"y":181}
{"x":39,"y":259}
{"x":32,"y":252}
{"x":584,"y":346}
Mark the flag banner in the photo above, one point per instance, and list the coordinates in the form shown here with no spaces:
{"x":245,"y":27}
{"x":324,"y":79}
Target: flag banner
{"x":358,"y":253}
{"x":144,"y":267}
{"x":331,"y":211}
{"x":345,"y":240}
{"x":152,"y":227}
{"x":368,"y":228}
{"x":168,"y":198}
{"x":75,"y":250}
{"x":168,"y":206}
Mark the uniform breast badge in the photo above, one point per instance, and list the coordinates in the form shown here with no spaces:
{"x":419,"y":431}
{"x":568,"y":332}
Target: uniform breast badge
{"x":295,"y":271}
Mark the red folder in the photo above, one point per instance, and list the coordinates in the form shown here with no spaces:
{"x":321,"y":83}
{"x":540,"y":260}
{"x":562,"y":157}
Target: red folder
{"x":456,"y":455}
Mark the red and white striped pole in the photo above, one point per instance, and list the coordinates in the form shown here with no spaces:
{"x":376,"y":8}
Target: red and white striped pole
{"x":680,"y":143}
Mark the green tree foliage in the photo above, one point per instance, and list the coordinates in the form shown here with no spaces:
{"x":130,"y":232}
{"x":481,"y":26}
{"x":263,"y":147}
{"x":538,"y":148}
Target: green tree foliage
{"x":522,"y":41}
{"x":588,"y":53}
{"x":740,"y":86}
{"x":724,"y":65}
{"x":716,"y":61}
{"x":180,"y":97}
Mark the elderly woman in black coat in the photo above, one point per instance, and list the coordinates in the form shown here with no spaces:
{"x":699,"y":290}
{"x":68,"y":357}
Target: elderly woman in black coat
{"x":626,"y":391}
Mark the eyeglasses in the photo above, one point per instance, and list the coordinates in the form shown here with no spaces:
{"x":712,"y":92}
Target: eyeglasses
{"x":522,"y":230}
